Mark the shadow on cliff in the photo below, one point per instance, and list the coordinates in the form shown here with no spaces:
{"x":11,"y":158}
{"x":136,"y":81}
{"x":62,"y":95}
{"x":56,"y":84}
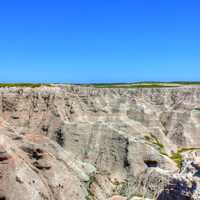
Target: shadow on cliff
{"x":177,"y":190}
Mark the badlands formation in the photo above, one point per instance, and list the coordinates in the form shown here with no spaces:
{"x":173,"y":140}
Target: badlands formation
{"x":83,"y":143}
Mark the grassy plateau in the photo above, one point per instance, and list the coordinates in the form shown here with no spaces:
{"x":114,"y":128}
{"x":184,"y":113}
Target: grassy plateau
{"x":141,"y":84}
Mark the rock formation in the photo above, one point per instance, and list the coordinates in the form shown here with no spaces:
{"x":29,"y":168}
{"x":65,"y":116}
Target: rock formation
{"x":82,"y":143}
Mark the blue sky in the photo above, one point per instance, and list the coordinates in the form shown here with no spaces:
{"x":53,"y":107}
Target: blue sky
{"x":99,"y":40}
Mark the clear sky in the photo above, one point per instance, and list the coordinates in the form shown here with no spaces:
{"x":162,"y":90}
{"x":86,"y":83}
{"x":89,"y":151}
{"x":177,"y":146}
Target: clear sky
{"x":99,"y":40}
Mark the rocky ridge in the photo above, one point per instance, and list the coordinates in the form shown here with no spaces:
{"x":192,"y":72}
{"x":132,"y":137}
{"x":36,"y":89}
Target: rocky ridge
{"x":83,"y":143}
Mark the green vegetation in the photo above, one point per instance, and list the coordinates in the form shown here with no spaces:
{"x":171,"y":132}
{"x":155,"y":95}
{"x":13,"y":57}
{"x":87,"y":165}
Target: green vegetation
{"x":187,"y":82}
{"x":140,"y":84}
{"x":90,"y":182}
{"x":155,"y":141}
{"x":131,"y":85}
{"x":123,"y":190}
{"x":43,"y":196}
{"x":120,"y":187}
{"x":182,"y":150}
{"x":177,"y":156}
{"x":111,"y":85}
{"x":197,"y":109}
{"x":32,"y":85}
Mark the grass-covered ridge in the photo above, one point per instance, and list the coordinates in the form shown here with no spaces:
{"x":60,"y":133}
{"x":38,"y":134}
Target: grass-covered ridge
{"x":32,"y":85}
{"x":141,"y":84}
{"x":110,"y":85}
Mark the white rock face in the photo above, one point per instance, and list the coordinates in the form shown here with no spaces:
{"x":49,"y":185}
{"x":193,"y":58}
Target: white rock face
{"x":72,"y":142}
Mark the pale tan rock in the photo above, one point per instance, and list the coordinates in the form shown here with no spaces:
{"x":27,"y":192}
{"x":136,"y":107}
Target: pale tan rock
{"x":118,"y":198}
{"x":72,"y":142}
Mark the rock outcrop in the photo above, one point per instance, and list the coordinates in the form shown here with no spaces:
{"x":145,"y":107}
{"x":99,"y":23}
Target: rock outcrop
{"x":83,"y":143}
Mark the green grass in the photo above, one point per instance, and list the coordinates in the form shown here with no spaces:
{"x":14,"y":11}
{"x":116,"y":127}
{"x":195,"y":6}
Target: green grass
{"x":177,"y":156}
{"x":155,"y":141}
{"x":187,"y":82}
{"x":32,"y":85}
{"x":120,"y":187}
{"x":111,"y":85}
{"x":182,"y":150}
{"x":140,"y":84}
{"x":135,"y":85}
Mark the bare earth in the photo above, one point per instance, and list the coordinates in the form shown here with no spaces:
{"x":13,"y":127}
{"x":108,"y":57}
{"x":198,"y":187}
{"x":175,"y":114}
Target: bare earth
{"x":84,"y":143}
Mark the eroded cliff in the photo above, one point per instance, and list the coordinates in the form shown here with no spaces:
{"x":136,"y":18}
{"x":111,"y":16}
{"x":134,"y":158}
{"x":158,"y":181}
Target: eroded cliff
{"x":73,"y":142}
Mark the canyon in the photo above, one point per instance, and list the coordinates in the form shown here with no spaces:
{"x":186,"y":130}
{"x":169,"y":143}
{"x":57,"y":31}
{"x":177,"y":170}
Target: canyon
{"x":70,"y":142}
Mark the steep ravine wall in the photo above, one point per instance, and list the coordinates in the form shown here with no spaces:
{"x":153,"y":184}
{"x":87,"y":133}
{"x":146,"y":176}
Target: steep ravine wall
{"x":124,"y":138}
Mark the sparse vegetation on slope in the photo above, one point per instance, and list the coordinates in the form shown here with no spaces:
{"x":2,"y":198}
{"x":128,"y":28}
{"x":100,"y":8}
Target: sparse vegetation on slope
{"x":32,"y":85}
{"x":197,"y":109}
{"x":177,"y":156}
{"x":155,"y":141}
